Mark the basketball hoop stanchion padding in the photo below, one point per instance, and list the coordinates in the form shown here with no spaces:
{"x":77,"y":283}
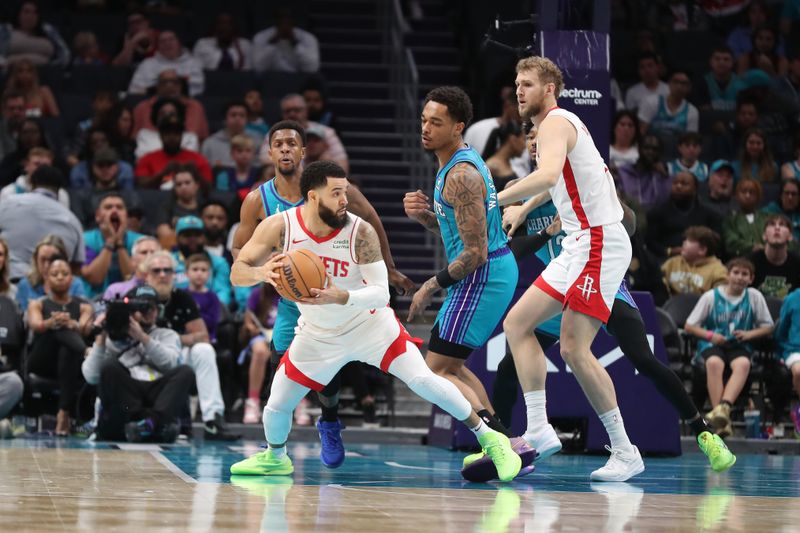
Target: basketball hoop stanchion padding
{"x":650,"y":420}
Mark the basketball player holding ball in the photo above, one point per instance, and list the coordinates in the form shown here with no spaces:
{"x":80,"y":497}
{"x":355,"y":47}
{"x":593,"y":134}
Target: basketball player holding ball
{"x":348,"y":320}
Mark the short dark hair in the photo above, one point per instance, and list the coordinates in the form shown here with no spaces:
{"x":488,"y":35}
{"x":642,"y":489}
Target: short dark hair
{"x":287,"y":125}
{"x":778,"y":217}
{"x":690,"y":137}
{"x":459,"y":106}
{"x":111,"y":194}
{"x":316,"y":175}
{"x":47,"y":177}
{"x":741,"y":262}
{"x":679,"y":70}
{"x":648,"y":55}
{"x":234,"y":103}
{"x":217,"y":203}
{"x":722,"y":48}
{"x":161,"y":102}
{"x":705,"y":236}
{"x":199,"y":257}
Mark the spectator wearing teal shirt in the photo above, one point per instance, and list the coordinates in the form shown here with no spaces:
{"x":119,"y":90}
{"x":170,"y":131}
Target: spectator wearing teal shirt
{"x":191,"y":240}
{"x":109,"y":246}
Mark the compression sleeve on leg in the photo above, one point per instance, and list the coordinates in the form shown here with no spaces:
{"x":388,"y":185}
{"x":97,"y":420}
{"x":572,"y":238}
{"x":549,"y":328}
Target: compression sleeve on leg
{"x":284,"y":396}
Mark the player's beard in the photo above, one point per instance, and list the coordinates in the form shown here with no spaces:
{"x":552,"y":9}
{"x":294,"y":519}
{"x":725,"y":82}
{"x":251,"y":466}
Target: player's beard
{"x":534,"y":108}
{"x":288,"y":172}
{"x":329,"y":217}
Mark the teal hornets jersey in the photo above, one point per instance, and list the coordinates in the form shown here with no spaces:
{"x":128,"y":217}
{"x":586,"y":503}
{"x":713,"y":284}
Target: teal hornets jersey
{"x":272,"y":201}
{"x":288,"y":313}
{"x":445,"y":213}
{"x":725,"y":318}
{"x":539,"y":219}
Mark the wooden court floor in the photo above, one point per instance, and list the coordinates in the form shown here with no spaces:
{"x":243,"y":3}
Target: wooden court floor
{"x":70,"y":485}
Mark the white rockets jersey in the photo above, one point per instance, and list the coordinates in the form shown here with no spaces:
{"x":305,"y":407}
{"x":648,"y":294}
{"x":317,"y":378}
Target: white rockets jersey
{"x":584,"y":194}
{"x":337,"y":252}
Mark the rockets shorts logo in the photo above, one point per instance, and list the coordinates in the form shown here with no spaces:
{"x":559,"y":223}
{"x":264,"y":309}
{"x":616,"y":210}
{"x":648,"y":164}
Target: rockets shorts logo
{"x":587,"y":289}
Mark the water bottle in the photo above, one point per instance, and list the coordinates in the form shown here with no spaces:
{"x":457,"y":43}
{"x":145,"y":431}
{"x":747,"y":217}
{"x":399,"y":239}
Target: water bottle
{"x":752,"y":421}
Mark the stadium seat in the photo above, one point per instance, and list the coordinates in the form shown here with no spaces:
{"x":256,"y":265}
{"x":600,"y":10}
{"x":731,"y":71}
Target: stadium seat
{"x":231,"y":85}
{"x":87,"y":80}
{"x":279,"y":84}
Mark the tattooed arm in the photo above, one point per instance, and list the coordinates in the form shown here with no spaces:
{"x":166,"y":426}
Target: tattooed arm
{"x":465,"y":191}
{"x":256,"y":261}
{"x":375,"y":293}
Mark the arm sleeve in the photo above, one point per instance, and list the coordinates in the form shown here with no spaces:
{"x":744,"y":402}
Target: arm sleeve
{"x":376,"y":293}
{"x":163,"y":349}
{"x":527,"y":244}
{"x":700,"y":311}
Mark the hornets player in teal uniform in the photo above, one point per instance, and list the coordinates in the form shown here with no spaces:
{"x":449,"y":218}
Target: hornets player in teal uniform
{"x":481,"y":275}
{"x":625,"y":324}
{"x":286,"y":150}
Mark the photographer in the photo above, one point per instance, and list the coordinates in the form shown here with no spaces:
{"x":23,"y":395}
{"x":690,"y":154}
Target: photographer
{"x":136,"y":369}
{"x":180,"y":312}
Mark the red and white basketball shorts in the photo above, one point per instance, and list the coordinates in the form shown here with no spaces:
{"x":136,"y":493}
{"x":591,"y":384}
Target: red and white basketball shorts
{"x":315,"y":356}
{"x":586,"y":275}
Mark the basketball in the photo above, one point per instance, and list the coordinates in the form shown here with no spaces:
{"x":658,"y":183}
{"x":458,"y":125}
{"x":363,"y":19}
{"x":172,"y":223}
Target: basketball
{"x":302,"y":271}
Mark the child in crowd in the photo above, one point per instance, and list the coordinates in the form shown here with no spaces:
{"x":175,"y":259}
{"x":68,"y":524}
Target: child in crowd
{"x":696,"y":269}
{"x":726,"y":320}
{"x":690,"y":145}
{"x":198,"y":270}
{"x":244,"y":176}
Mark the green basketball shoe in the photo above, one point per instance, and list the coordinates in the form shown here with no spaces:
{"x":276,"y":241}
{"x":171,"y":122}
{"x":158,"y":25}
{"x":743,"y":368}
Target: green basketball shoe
{"x":263,"y":464}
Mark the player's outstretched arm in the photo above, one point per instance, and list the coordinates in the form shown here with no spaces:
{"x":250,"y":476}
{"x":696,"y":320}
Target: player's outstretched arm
{"x":359,"y":205}
{"x":464,"y":190}
{"x":255,"y":262}
{"x":249,"y":216}
{"x":554,"y":136}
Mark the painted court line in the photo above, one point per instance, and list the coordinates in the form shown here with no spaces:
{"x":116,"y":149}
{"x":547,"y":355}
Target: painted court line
{"x":172,"y":467}
{"x":409,"y":467}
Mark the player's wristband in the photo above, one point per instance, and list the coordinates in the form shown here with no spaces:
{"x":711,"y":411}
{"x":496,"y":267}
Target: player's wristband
{"x":444,"y":279}
{"x":709,"y":336}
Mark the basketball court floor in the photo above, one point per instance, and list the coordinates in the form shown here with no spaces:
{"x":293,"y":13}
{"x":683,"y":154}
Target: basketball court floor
{"x":49,"y":484}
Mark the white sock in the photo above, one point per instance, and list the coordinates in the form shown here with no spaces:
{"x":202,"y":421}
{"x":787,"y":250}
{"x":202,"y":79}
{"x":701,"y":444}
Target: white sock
{"x":278,"y":452}
{"x":535,"y":405}
{"x":612,"y":420}
{"x":481,"y":429}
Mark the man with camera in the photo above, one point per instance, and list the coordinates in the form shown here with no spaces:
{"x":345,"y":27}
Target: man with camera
{"x":135,"y":365}
{"x":180,"y":313}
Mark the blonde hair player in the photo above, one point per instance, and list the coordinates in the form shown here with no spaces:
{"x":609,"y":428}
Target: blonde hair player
{"x":583,"y":279}
{"x":347,"y":321}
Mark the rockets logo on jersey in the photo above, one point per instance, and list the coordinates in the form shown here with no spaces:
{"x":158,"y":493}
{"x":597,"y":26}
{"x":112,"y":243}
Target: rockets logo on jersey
{"x":337,"y":268}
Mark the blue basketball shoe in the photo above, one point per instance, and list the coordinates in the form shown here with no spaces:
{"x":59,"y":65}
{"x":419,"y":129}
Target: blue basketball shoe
{"x":330,"y":435}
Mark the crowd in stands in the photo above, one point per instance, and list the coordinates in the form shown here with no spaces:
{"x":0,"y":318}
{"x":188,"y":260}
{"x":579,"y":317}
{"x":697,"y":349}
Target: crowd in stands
{"x":123,"y":164}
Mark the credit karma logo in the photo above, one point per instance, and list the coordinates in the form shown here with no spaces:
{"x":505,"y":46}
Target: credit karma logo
{"x":582,"y":96}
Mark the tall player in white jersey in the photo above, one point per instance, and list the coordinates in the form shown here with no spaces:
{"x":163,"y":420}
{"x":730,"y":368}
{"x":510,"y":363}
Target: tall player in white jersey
{"x":583,"y":279}
{"x":348,"y":320}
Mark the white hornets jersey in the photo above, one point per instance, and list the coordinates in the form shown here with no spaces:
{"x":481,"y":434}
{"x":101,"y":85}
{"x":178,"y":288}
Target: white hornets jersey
{"x":338,"y":253}
{"x":584,"y":194}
